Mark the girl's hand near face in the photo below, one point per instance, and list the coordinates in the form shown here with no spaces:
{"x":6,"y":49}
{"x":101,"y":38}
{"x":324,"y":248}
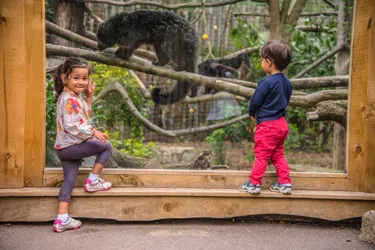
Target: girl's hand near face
{"x":90,"y":89}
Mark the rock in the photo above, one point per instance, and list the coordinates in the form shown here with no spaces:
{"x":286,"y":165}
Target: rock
{"x":175,"y":156}
{"x":368,"y":227}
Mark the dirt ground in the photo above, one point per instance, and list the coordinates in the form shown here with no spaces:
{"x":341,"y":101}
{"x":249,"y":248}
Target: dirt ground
{"x":239,"y":156}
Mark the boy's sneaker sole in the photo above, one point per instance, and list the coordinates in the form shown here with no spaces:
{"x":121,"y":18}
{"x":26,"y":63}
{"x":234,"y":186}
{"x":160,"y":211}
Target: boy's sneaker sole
{"x":283,"y":191}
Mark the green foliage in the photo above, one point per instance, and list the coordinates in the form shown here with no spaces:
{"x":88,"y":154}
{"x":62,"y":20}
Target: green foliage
{"x":50,"y":110}
{"x":248,"y":35}
{"x":308,"y":47}
{"x":113,"y":109}
{"x":49,"y":10}
{"x":235,"y":133}
{"x":135,"y":147}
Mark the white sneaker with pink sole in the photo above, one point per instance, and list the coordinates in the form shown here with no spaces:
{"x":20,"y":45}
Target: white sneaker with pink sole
{"x":98,"y":185}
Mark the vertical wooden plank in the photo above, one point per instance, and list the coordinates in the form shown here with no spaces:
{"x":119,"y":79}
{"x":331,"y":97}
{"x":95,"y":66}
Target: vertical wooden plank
{"x":357,"y":101}
{"x":370,"y":114}
{"x":12,"y":94}
{"x":35,"y":108}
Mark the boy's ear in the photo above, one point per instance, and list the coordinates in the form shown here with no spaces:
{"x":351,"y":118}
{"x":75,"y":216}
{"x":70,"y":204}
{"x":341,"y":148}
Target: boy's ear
{"x":269,"y":62}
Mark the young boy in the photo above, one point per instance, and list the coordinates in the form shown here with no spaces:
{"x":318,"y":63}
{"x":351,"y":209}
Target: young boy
{"x":267,"y":106}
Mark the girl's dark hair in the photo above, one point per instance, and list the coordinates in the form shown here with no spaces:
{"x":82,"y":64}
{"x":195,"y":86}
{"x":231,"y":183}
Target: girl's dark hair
{"x":67,"y":68}
{"x":277,"y":52}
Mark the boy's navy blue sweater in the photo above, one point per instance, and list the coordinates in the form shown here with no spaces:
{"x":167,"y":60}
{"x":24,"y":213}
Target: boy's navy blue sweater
{"x":270,"y":98}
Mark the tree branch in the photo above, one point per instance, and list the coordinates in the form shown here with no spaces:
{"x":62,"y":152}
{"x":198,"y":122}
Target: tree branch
{"x":93,"y":15}
{"x":313,"y":28}
{"x":149,"y":69}
{"x":242,"y":51}
{"x":330,"y":110}
{"x":172,"y":133}
{"x":304,"y":14}
{"x":88,"y":43}
{"x":296,"y":12}
{"x":162,"y":5}
{"x":319,"y":61}
{"x":301,"y":101}
{"x":284,"y":10}
{"x":320,"y":82}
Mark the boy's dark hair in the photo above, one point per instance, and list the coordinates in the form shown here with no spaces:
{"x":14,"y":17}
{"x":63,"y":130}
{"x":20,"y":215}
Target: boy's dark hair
{"x":277,"y":52}
{"x":67,"y":68}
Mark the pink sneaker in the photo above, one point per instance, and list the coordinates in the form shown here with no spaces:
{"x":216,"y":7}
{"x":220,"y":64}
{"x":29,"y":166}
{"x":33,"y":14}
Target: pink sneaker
{"x":98,"y":185}
{"x":71,"y":224}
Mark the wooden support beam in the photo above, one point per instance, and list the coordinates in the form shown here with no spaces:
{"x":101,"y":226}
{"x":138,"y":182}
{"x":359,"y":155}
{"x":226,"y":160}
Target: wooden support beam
{"x":142,"y":204}
{"x":358,"y":95}
{"x":370,"y":112}
{"x":35,"y":108}
{"x":12,"y":93}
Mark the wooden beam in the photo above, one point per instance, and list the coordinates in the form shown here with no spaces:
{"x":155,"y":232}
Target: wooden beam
{"x":357,"y":101}
{"x":209,"y":179}
{"x":12,"y":94}
{"x":141,"y":204}
{"x":35,"y":108}
{"x":370,"y":112}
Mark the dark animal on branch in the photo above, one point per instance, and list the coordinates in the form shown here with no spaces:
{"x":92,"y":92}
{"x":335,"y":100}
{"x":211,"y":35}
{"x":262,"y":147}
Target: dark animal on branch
{"x":223,"y":67}
{"x":172,"y":37}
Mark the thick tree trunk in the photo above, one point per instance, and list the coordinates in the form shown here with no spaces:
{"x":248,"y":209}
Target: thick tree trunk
{"x":339,"y":133}
{"x":69,"y":15}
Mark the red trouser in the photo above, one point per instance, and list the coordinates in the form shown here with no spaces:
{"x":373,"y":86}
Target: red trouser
{"x":269,"y":144}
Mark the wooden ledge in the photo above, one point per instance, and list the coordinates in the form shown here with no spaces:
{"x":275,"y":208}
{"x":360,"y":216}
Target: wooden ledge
{"x":123,"y":171}
{"x":205,"y":179}
{"x":188,"y":192}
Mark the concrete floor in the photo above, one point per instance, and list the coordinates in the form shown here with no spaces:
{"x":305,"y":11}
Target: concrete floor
{"x":183,"y":234}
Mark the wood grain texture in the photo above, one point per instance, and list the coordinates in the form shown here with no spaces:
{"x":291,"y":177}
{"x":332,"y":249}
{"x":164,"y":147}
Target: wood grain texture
{"x":357,"y":100}
{"x":35,"y":108}
{"x":40,"y":204}
{"x":370,"y":113}
{"x":198,"y":179}
{"x":12,"y":94}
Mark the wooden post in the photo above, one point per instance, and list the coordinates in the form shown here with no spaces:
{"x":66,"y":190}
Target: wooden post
{"x":370,"y":112}
{"x":357,"y":145}
{"x":12,"y":93}
{"x":35,"y":86}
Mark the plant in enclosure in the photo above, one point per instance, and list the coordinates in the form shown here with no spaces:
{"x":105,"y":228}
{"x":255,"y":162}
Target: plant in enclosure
{"x":113,"y":111}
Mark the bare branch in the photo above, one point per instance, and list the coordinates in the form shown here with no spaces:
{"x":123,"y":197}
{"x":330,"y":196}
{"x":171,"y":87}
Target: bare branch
{"x":207,"y":98}
{"x":320,"y":82}
{"x":88,"y":43}
{"x":301,"y":101}
{"x":304,"y":14}
{"x":330,"y":3}
{"x":93,"y":15}
{"x":303,"y":83}
{"x":312,"y":99}
{"x":314,"y":28}
{"x":296,"y":12}
{"x":162,"y":5}
{"x":319,"y":61}
{"x":330,"y":110}
{"x":145,"y":93}
{"x":150,"y":69}
{"x":242,"y":51}
{"x":284,"y":10}
{"x":173,"y":133}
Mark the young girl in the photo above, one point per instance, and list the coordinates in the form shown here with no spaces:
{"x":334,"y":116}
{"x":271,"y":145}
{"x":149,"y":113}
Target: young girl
{"x":76,"y":137}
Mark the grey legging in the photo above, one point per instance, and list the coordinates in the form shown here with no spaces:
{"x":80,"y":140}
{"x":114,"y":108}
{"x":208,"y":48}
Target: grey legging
{"x":71,"y":158}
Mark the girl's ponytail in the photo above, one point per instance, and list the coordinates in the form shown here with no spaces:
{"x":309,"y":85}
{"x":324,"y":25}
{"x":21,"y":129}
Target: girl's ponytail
{"x":59,"y":85}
